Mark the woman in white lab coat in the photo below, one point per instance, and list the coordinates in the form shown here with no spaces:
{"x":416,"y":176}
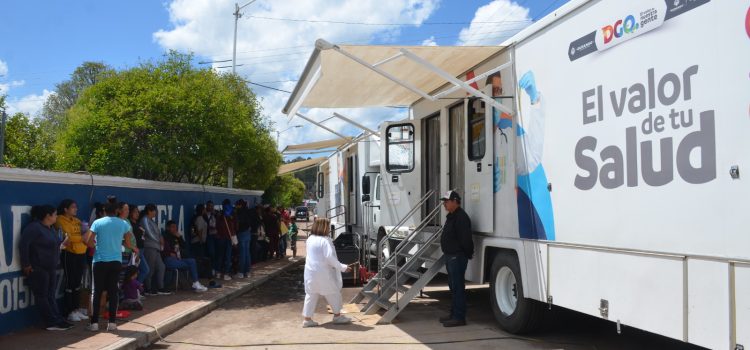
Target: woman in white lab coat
{"x":322,"y":274}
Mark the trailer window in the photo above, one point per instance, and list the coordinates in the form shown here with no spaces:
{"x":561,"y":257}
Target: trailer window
{"x":400,"y":148}
{"x":477,"y":133}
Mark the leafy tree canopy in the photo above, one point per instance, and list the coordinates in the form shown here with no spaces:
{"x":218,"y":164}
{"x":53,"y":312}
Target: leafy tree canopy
{"x":285,"y":190}
{"x":170,"y":121}
{"x":67,"y":92}
{"x":26,"y":144}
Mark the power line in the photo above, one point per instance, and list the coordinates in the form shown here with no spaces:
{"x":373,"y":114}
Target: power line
{"x":374,"y":24}
{"x":265,"y":86}
{"x":362,"y":41}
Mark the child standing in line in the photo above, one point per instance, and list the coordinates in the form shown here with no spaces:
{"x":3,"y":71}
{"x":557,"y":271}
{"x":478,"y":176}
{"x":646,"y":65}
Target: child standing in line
{"x":131,"y":290}
{"x":293,"y":237}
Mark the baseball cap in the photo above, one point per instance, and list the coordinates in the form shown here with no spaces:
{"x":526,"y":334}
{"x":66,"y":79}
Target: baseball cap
{"x":450,"y":195}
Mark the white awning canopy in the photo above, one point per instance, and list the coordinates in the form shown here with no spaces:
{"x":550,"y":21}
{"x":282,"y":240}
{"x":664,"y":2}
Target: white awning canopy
{"x":317,"y":145}
{"x":299,"y":166}
{"x":350,"y":76}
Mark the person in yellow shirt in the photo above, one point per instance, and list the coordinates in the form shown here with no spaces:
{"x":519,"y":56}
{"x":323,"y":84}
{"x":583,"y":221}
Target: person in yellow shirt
{"x":73,"y":259}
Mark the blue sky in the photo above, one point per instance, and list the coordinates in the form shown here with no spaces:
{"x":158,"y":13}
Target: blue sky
{"x":43,"y":41}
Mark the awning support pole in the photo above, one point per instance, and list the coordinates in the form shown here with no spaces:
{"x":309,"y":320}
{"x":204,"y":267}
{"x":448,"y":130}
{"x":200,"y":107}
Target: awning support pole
{"x":388,"y":59}
{"x":323,"y":126}
{"x":373,"y":132}
{"x":477,"y":78}
{"x":398,"y":81}
{"x":450,"y":78}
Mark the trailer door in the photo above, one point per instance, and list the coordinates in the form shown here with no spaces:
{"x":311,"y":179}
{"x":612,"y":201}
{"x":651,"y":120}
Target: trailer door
{"x":431,"y":164}
{"x":400,"y":172}
{"x":478,"y":190}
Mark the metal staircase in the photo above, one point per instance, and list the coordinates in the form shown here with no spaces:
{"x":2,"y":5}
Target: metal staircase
{"x":334,"y":213}
{"x":400,"y":277}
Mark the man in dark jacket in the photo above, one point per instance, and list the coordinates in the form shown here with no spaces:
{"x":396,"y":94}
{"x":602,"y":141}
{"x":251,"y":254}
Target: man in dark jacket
{"x":458,"y":248}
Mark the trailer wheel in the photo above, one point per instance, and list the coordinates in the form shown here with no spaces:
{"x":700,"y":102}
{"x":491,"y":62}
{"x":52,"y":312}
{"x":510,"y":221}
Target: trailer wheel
{"x":513,"y":312}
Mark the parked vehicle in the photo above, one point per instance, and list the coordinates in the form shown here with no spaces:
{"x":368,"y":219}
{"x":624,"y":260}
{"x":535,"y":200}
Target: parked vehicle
{"x":301,"y":213}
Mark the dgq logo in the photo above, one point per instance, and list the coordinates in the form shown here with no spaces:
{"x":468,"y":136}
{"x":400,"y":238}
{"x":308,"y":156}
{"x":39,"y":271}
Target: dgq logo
{"x":623,"y":26}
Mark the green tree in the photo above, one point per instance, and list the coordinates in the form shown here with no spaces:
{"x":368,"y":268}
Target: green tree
{"x":307,"y":176}
{"x":67,"y":92}
{"x":170,"y":121}
{"x":26,"y":145}
{"x":285,"y":190}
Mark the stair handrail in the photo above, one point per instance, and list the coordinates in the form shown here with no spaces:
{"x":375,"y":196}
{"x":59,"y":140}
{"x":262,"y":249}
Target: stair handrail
{"x":422,"y":225}
{"x":420,"y":250}
{"x":395,"y":255}
{"x":365,"y":244}
{"x":410,"y":237}
{"x":343,"y":211}
{"x":409,"y":214}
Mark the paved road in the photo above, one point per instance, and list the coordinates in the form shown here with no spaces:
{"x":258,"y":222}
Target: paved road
{"x":271,"y":315}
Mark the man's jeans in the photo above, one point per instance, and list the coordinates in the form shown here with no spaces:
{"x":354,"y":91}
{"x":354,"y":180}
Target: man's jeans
{"x":243,"y":265}
{"x":179,"y":264}
{"x":456,"y":267}
{"x":223,"y":255}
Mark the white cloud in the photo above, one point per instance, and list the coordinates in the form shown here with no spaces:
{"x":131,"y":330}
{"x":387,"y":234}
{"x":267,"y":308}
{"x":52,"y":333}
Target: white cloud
{"x":5,"y":87}
{"x":429,"y":41}
{"x":511,"y":16}
{"x":29,"y":104}
{"x":272,"y":50}
{"x":3,"y":68}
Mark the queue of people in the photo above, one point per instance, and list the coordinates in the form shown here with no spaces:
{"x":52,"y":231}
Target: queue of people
{"x":126,"y":255}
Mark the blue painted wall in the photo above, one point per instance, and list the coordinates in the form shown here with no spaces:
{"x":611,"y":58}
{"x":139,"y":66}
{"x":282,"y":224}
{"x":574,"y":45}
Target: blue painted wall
{"x":16,"y":197}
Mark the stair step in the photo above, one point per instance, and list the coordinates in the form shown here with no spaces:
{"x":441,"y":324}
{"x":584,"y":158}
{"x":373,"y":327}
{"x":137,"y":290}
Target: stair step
{"x":425,"y":242}
{"x":413,"y":274}
{"x":384,"y":304}
{"x":427,"y":259}
{"x":420,"y":257}
{"x":401,"y":288}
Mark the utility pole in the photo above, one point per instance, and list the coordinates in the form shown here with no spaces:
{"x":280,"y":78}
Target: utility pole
{"x":2,"y":138}
{"x":237,"y":15}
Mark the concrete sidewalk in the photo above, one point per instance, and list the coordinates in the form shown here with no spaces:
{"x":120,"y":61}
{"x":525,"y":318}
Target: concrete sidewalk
{"x":163,"y":313}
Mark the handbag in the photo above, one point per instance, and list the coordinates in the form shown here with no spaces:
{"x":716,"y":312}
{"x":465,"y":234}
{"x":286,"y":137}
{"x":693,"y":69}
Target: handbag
{"x":231,"y":236}
{"x":262,"y":234}
{"x":284,"y":228}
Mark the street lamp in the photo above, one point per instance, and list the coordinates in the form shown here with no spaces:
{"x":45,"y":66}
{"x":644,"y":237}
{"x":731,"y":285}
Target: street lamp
{"x":278,"y":133}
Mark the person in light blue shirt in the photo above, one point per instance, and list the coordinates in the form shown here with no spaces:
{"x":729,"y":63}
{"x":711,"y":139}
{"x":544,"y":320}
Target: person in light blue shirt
{"x":106,"y":236}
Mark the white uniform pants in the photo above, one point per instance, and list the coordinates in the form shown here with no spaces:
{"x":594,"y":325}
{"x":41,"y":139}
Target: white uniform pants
{"x":311,"y":301}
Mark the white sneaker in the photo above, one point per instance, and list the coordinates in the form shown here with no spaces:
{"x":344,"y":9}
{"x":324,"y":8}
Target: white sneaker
{"x":73,"y":317}
{"x":94,"y":327}
{"x":310,"y":323}
{"x":83,"y":311}
{"x":227,"y":277}
{"x":80,"y":315}
{"x":198,"y":287}
{"x":111,"y":326}
{"x":341,"y":319}
{"x":239,"y":276}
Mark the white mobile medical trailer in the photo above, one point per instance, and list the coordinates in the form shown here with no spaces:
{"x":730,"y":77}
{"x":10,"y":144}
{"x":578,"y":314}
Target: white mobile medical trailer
{"x":598,"y":153}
